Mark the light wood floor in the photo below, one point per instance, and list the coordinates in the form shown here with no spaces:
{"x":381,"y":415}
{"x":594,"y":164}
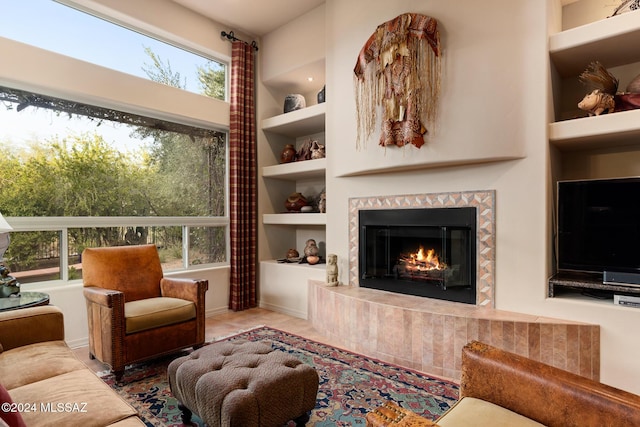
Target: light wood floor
{"x":232,"y":322}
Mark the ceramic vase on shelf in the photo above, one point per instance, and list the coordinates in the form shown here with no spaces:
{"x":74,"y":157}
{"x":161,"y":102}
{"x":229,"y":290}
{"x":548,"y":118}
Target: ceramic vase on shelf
{"x":295,"y":202}
{"x":293,"y":102}
{"x":311,"y":248}
{"x":288,"y":154}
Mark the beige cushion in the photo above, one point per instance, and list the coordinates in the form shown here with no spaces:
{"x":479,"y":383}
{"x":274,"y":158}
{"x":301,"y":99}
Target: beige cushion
{"x":151,"y":313}
{"x":472,"y":412}
{"x":34,"y":362}
{"x":92,"y":402}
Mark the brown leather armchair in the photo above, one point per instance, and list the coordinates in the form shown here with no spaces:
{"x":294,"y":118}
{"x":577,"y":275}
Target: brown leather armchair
{"x":134,"y":313}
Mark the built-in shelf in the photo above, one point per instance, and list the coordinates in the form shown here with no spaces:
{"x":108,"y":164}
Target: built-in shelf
{"x":616,"y":129}
{"x":315,"y":267}
{"x":295,"y":219}
{"x":612,"y":41}
{"x":305,"y":121}
{"x":296,"y":170}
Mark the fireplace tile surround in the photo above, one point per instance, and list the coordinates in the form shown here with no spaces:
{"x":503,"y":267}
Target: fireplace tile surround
{"x":483,"y":201}
{"x":428,"y":334}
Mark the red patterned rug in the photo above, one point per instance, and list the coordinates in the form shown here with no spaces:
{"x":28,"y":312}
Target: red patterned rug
{"x":350,"y":384}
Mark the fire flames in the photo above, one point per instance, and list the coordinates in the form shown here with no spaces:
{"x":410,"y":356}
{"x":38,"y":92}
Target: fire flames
{"x":423,"y":261}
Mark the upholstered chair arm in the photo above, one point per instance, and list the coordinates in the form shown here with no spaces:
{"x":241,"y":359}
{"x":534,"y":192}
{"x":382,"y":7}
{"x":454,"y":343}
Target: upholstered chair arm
{"x":188,"y":289}
{"x":105,"y":297}
{"x":30,"y":326}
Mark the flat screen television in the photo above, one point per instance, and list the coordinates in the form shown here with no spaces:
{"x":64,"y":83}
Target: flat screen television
{"x":599,"y":225}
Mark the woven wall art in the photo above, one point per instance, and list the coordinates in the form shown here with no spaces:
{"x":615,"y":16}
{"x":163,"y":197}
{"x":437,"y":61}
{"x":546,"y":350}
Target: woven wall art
{"x":398,"y":73}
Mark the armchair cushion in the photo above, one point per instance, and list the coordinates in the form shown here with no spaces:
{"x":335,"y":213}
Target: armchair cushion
{"x":152,"y":313}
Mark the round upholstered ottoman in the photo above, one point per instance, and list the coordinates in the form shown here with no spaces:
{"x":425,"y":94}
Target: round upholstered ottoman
{"x":243,"y":384}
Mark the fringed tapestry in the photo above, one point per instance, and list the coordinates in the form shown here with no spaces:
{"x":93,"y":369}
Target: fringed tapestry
{"x":398,"y":71}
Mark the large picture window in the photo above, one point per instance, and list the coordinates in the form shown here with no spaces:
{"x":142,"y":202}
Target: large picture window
{"x":87,"y":161}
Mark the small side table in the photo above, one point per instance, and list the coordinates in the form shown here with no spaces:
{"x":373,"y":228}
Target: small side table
{"x":24,"y":300}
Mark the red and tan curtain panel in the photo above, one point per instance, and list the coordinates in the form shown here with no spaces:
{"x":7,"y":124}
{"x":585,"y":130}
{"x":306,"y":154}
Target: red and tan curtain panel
{"x":398,"y":73}
{"x":242,"y":179}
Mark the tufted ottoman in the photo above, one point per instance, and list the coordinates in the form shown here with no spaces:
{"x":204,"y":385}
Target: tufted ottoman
{"x":243,"y":384}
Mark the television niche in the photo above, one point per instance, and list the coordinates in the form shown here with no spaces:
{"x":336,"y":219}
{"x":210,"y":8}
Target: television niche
{"x":598,"y":232}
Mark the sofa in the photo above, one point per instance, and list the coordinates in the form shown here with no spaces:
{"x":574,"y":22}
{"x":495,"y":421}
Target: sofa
{"x":503,"y":389}
{"x":43,"y":383}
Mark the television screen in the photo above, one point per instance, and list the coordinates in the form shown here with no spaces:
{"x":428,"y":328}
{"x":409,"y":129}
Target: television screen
{"x":599,"y":225}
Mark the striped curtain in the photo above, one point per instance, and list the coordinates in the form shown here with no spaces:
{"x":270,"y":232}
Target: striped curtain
{"x":243,"y":180}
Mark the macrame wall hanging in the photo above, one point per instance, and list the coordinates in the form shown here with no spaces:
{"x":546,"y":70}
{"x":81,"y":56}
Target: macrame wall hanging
{"x":398,"y":72}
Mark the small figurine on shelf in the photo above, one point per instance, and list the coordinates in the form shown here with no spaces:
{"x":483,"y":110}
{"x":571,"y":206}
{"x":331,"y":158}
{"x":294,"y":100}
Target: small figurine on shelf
{"x":317,"y":150}
{"x":311,"y":248}
{"x":322,"y":202}
{"x":332,"y":270}
{"x":603,"y":86}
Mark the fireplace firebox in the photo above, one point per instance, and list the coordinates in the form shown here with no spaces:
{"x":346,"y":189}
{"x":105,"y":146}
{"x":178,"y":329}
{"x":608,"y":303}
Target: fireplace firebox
{"x":425,"y":252}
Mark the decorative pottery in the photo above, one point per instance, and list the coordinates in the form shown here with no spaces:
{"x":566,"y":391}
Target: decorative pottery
{"x":292,"y":253}
{"x":634,"y":85}
{"x":313,"y":259}
{"x":311,"y":248}
{"x":321,"y":95}
{"x":306,"y":209}
{"x":288,"y":154}
{"x":293,"y":102}
{"x":295,"y":202}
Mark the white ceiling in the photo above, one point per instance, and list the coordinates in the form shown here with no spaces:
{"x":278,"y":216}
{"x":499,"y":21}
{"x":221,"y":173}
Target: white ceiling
{"x":253,"y":17}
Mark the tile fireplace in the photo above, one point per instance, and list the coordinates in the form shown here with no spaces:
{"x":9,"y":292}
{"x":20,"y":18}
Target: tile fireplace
{"x":424,"y":252}
{"x":473,"y":232}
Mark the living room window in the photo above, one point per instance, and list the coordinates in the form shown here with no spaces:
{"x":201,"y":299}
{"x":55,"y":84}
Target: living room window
{"x":110,"y":43}
{"x":75,"y":176}
{"x":127,"y":162}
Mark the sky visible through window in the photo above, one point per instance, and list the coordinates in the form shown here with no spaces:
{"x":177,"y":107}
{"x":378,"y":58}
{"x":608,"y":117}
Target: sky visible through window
{"x":61,"y":29}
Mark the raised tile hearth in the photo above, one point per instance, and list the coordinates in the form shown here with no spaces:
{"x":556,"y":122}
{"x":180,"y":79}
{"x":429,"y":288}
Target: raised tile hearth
{"x":428,"y":335}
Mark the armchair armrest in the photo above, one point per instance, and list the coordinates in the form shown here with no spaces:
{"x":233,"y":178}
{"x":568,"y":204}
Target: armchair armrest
{"x":31,"y":325}
{"x":104,"y":297}
{"x":188,"y":289}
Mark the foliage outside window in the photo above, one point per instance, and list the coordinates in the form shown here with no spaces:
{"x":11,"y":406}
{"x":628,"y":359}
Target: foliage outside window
{"x":176,"y":171}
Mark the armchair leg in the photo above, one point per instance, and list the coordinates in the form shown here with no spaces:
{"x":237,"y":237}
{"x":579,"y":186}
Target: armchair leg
{"x":302,"y":420}
{"x":118,"y":374}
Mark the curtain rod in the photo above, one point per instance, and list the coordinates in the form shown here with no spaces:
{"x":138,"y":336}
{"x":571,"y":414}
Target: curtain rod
{"x":232,"y":37}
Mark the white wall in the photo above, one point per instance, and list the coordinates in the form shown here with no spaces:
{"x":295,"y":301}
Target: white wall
{"x":495,"y":88}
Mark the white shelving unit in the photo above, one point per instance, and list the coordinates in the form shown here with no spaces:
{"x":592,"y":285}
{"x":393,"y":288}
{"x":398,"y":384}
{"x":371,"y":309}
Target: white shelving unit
{"x":610,"y":41}
{"x":283,"y":286}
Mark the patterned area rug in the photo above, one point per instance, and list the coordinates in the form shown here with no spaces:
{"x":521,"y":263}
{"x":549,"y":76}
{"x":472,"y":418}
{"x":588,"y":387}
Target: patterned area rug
{"x":350,"y":384}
